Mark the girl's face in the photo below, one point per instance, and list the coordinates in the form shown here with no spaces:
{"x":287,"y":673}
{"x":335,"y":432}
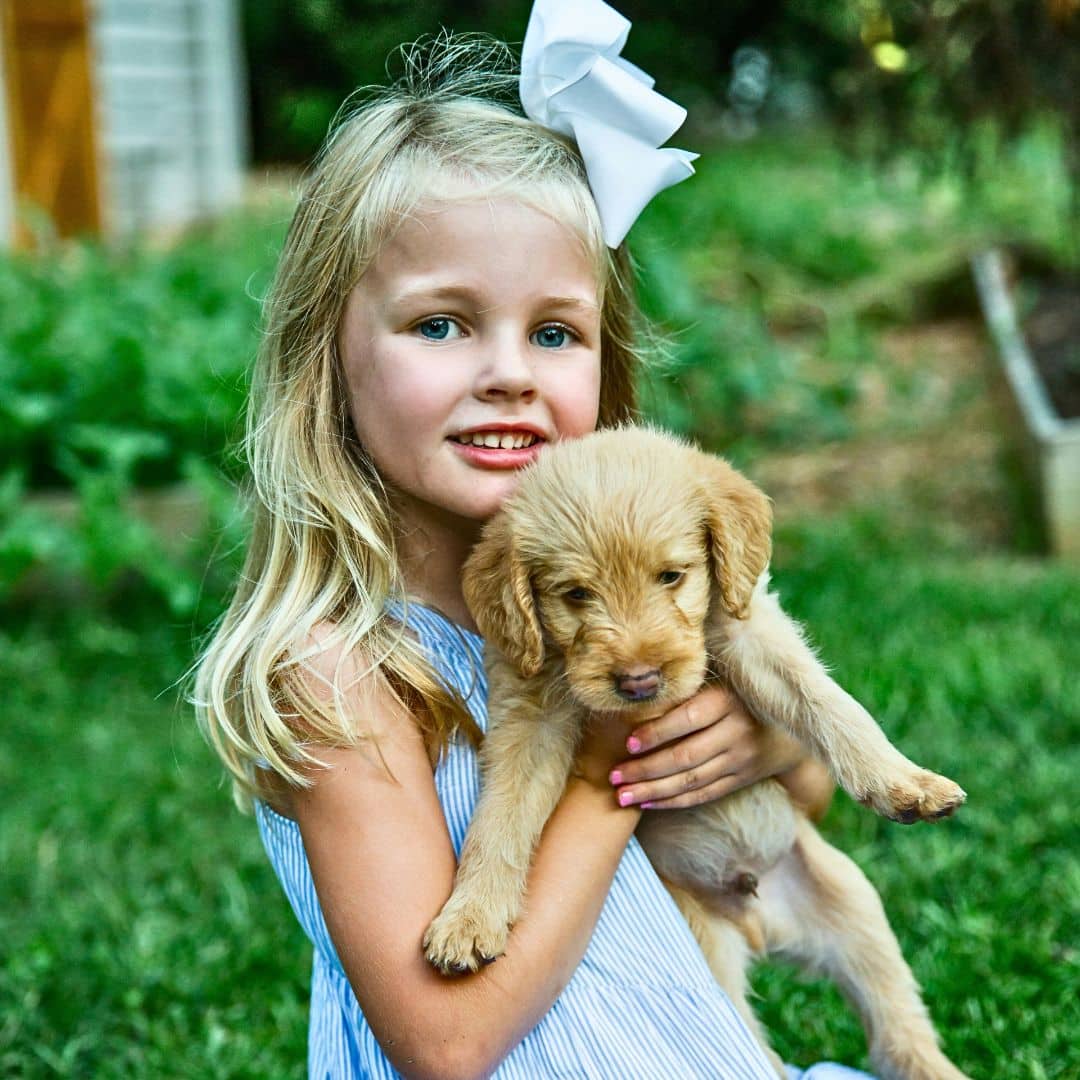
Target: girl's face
{"x":471,"y":342}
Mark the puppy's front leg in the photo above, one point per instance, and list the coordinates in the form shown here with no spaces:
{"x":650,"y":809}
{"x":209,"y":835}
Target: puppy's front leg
{"x":769,"y":664}
{"x":525,"y":762}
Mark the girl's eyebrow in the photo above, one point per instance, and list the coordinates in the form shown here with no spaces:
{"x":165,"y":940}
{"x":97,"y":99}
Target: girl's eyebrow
{"x":469,"y":295}
{"x":586,"y":306}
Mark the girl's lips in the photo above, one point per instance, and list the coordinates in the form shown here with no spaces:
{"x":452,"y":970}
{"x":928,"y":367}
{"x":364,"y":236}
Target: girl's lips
{"x":495,"y":457}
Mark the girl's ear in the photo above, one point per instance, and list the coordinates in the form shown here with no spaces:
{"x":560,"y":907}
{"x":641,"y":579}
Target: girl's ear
{"x":499,"y":594}
{"x":739,"y":523}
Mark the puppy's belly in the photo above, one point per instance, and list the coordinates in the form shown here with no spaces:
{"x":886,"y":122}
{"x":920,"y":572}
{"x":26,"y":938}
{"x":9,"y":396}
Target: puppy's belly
{"x":709,"y":849}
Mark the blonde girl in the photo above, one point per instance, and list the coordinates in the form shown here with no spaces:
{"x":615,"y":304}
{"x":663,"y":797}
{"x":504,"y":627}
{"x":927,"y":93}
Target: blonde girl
{"x":444,"y":307}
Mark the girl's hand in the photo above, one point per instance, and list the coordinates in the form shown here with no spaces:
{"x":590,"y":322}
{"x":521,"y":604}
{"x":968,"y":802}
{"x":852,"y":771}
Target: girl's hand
{"x":602,"y":748}
{"x":708,"y":747}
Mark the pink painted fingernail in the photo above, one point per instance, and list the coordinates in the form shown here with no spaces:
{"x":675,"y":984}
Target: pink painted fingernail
{"x":633,"y":744}
{"x":626,"y":798}
{"x":615,"y":777}
{"x":647,"y":805}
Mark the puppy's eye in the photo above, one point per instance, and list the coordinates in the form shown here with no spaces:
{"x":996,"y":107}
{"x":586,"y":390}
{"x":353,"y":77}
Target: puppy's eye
{"x":670,"y":577}
{"x":577,"y":595}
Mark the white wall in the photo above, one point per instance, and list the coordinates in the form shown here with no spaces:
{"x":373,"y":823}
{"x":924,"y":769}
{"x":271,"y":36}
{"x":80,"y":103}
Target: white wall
{"x":168,"y":81}
{"x":170,"y":106}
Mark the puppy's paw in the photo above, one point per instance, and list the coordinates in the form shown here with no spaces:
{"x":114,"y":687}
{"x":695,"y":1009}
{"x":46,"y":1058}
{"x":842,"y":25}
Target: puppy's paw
{"x":464,"y":937}
{"x":919,"y":796}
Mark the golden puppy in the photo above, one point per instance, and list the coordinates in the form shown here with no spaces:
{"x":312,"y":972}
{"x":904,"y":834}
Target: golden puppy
{"x":626,"y":570}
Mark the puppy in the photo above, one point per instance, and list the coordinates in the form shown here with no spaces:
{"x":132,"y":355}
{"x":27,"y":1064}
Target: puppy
{"x":626,"y":570}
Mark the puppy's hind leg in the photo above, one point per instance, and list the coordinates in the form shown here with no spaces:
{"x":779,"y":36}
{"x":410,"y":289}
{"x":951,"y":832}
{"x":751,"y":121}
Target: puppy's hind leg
{"x":728,"y":952}
{"x":819,"y":910}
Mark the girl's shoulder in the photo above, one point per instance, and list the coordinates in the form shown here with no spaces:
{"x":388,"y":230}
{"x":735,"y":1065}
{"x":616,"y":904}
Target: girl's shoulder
{"x":349,"y":677}
{"x":455,"y":653}
{"x":346,"y":677}
{"x":347,"y":710}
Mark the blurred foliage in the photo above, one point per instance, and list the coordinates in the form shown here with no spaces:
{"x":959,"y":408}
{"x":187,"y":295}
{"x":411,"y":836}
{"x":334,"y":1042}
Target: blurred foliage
{"x":895,"y":72}
{"x":125,"y":369}
{"x":133,"y":357}
{"x":122,"y":370}
{"x":772,"y":271}
{"x":922,"y":71}
{"x":768,"y":277}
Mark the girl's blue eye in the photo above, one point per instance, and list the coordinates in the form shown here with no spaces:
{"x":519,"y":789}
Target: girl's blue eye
{"x":551,"y":337}
{"x":437,"y":329}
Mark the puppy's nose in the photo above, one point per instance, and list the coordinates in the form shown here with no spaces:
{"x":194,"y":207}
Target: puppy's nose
{"x":637,"y":683}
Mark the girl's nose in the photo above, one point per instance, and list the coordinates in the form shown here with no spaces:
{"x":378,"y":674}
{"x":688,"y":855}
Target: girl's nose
{"x":508,"y":374}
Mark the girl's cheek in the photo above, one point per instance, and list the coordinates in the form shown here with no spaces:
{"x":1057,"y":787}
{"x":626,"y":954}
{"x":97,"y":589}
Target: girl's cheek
{"x":591,"y":411}
{"x":576,"y":395}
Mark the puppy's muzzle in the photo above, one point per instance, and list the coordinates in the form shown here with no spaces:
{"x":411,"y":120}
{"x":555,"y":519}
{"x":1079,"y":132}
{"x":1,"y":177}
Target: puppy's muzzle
{"x":637,"y":683}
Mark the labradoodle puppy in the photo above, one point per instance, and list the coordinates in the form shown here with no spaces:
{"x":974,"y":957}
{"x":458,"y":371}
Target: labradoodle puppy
{"x":626,"y":570}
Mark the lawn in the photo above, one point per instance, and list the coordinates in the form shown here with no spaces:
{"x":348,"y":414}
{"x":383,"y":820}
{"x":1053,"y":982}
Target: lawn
{"x":142,"y":934}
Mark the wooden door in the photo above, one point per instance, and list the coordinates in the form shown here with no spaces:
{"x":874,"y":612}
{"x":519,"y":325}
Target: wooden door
{"x":51,"y":112}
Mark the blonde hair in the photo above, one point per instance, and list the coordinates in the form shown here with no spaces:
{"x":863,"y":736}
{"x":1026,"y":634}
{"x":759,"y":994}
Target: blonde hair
{"x":322,"y":550}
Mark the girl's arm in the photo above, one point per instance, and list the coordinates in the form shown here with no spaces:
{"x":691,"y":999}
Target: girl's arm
{"x":711,"y":746}
{"x":383,"y":866}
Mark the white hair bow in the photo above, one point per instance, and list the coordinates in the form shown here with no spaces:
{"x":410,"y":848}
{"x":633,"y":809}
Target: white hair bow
{"x":574,"y":82}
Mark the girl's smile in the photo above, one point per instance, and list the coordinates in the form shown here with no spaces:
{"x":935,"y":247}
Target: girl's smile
{"x":500,"y":446}
{"x":471,"y":342}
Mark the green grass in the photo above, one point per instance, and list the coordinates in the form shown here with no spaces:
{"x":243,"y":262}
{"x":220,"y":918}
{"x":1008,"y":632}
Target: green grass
{"x":142,"y":934}
{"x":969,"y":664}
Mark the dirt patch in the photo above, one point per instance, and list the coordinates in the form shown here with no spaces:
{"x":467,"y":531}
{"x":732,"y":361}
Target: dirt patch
{"x":938,"y":449}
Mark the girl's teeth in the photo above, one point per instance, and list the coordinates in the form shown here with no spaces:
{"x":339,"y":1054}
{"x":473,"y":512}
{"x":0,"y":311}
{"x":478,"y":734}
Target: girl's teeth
{"x":495,"y":441}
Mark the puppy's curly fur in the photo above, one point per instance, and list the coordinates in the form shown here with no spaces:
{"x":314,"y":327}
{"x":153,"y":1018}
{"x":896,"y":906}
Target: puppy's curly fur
{"x":627,"y":569}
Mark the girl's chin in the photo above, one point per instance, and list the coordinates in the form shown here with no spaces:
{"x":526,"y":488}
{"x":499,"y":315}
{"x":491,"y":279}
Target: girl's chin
{"x":491,"y":504}
{"x":480,"y":502}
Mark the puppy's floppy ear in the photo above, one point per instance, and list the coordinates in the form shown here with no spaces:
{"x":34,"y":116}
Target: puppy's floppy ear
{"x":739,"y":522}
{"x":499,"y":594}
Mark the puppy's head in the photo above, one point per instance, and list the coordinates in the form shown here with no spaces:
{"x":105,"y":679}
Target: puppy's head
{"x":610,"y":556}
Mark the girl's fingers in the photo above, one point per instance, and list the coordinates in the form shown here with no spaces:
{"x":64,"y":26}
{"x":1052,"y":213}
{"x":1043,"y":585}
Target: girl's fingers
{"x":702,"y":752}
{"x":664,"y":795}
{"x":733,"y":738}
{"x":728,"y":768}
{"x":699,"y":712}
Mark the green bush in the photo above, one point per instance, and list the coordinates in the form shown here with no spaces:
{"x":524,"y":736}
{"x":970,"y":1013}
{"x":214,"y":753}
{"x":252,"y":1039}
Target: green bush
{"x":774,"y":268}
{"x":124,"y":369}
{"x":768,"y":276}
{"x":130,"y":360}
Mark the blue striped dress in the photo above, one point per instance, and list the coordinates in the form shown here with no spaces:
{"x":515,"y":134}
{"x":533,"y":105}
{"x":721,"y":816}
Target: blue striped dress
{"x":640,"y":1004}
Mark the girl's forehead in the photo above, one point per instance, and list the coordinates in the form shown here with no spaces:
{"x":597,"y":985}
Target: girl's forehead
{"x":482,"y":220}
{"x":497,"y":239}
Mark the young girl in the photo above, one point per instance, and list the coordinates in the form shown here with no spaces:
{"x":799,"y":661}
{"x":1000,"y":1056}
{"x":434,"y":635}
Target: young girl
{"x":445,"y":306}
